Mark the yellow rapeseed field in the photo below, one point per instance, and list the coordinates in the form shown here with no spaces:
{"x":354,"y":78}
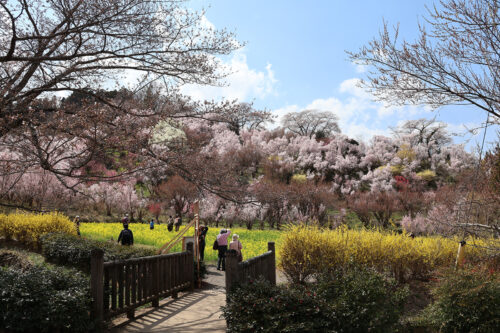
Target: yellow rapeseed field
{"x":254,"y":241}
{"x":27,"y":228}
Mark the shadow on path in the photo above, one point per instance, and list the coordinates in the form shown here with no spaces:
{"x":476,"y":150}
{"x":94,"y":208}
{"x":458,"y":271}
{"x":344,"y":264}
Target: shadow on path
{"x":197,"y":311}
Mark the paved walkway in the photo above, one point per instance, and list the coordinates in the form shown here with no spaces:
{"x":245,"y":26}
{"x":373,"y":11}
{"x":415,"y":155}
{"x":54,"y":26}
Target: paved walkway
{"x":197,"y":311}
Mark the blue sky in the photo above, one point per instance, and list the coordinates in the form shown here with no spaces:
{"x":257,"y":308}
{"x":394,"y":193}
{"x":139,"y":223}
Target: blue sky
{"x":295,"y":58}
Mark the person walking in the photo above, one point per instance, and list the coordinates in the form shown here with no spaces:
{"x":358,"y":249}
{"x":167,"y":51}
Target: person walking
{"x":170,"y":224}
{"x":201,"y":241}
{"x":126,"y":236}
{"x":222,"y":248}
{"x":152,"y":224}
{"x":236,"y":245}
{"x":178,"y":222}
{"x":77,"y":224}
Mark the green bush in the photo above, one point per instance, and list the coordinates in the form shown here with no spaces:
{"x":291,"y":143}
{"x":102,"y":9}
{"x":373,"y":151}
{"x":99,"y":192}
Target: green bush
{"x":260,"y":307}
{"x":356,"y":301}
{"x":14,"y":259}
{"x":465,"y":301}
{"x":64,"y":249}
{"x":44,"y":300}
{"x":363,"y":300}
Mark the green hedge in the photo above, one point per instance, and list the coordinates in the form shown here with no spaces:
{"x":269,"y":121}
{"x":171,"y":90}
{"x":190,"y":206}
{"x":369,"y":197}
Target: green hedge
{"x":44,"y":300}
{"x":64,"y":249}
{"x":356,"y":301}
{"x":14,"y":259}
{"x":464,"y":301}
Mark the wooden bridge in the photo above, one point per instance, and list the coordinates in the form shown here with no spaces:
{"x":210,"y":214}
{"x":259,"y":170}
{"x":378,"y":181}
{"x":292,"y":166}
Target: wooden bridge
{"x":119,"y":287}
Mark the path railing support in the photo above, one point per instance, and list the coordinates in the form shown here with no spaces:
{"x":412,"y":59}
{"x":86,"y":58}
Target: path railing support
{"x":96,"y":284}
{"x":263,"y":265}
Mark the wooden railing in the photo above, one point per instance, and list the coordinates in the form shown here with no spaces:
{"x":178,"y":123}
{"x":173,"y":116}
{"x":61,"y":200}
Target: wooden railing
{"x":122,"y":286}
{"x":263,"y":265}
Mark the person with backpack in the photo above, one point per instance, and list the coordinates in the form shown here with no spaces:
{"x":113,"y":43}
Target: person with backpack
{"x":222,"y":248}
{"x":126,"y":236}
{"x":152,"y":224}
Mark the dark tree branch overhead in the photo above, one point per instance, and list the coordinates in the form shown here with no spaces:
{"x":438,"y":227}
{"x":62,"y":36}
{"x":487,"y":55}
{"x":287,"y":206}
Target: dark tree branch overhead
{"x":87,"y":48}
{"x":65,"y":45}
{"x":456,"y":61}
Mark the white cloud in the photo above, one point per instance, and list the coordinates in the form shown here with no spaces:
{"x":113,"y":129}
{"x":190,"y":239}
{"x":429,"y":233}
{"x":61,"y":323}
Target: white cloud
{"x":244,"y":83}
{"x":359,"y":115}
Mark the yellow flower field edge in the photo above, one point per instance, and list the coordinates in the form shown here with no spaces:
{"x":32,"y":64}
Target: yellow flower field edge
{"x":254,"y":241}
{"x":306,"y":251}
{"x":27,"y":228}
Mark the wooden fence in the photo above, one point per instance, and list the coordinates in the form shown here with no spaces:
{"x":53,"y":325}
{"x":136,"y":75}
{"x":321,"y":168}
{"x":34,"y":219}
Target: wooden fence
{"x":240,"y":272}
{"x":121,"y":286}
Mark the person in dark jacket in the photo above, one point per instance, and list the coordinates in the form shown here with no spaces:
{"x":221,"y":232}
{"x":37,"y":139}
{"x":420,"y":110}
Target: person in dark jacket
{"x":201,"y":239}
{"x":170,"y":223}
{"x":126,"y":236}
{"x":178,"y":222}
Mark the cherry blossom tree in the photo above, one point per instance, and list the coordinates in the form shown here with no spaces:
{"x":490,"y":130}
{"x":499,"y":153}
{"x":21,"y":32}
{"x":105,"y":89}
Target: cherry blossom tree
{"x":178,"y":193}
{"x":311,"y":122}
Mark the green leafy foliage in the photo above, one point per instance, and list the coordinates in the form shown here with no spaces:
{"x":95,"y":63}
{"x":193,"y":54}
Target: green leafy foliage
{"x":44,"y":300}
{"x":355,"y":301}
{"x":14,"y":259}
{"x":465,"y":301}
{"x":363,"y":301}
{"x":64,"y":249}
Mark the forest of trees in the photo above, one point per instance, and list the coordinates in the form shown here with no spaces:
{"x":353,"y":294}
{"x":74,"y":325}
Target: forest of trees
{"x":148,"y":149}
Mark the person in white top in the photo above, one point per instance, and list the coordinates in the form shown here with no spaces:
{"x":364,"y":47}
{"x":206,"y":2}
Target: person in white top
{"x":236,"y":245}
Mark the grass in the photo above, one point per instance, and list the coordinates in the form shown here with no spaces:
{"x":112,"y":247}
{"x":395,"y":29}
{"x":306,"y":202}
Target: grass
{"x":254,"y":241}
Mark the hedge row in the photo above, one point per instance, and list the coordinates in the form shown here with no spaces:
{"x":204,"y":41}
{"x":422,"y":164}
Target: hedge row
{"x":306,"y":251}
{"x":64,"y":249}
{"x":357,"y":300}
{"x":28,"y":228}
{"x":464,"y":301}
{"x":40,"y":299}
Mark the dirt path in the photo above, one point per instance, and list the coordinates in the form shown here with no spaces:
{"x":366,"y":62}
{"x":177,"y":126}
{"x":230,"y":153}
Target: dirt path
{"x":197,"y":311}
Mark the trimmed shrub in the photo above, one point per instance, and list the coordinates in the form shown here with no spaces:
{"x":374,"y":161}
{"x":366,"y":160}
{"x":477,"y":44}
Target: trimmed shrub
{"x":362,"y":300}
{"x":44,"y":300}
{"x":14,"y":259}
{"x":306,"y":251}
{"x":261,"y":307}
{"x":64,"y":249}
{"x":465,"y":301}
{"x":356,"y":301}
{"x":28,"y":228}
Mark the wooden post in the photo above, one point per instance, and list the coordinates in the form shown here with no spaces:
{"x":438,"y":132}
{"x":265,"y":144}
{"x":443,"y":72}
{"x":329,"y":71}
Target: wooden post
{"x":231,"y":269}
{"x":130,"y":290}
{"x":190,"y":268}
{"x":272,"y":266}
{"x":460,"y":255}
{"x":96,"y":284}
{"x":156,"y":283}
